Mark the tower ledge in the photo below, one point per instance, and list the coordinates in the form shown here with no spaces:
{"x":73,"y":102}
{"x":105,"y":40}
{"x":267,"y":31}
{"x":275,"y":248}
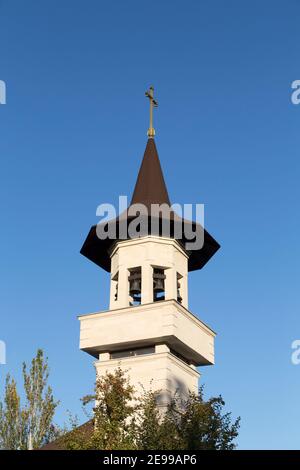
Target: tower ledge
{"x":166,"y":322}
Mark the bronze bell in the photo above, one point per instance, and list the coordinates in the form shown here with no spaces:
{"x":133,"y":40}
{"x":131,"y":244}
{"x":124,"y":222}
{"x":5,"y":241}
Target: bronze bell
{"x":135,"y":285}
{"x":179,"y":298}
{"x":159,"y":280}
{"x":158,"y":283}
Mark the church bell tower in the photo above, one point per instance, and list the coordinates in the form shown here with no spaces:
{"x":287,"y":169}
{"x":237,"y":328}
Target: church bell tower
{"x":149,"y":330}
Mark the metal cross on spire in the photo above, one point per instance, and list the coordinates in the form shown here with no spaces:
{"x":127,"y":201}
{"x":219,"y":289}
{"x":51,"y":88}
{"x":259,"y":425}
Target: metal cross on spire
{"x":153,"y":103}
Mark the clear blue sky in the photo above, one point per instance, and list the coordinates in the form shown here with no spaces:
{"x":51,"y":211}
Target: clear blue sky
{"x":73,"y":132}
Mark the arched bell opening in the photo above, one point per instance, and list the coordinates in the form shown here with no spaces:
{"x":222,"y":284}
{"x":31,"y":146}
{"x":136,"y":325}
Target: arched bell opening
{"x":115,"y":286}
{"x":179,"y":297}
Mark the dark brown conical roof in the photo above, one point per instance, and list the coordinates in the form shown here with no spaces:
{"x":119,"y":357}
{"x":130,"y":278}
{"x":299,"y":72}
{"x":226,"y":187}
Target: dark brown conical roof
{"x":150,"y":187}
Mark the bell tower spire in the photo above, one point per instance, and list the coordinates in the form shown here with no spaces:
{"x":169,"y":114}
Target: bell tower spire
{"x":153,"y":104}
{"x":148,"y":329}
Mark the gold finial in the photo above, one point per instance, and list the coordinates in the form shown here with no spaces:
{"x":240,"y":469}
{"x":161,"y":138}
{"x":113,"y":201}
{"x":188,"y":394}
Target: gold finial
{"x":149,"y":94}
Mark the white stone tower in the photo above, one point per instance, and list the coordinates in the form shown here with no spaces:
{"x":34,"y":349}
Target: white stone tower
{"x":148,"y":329}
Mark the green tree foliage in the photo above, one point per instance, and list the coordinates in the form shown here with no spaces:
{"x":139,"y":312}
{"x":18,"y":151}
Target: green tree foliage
{"x":113,"y":416}
{"x":12,"y":418}
{"x":200,"y":424}
{"x":28,"y":426}
{"x":123,"y":421}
